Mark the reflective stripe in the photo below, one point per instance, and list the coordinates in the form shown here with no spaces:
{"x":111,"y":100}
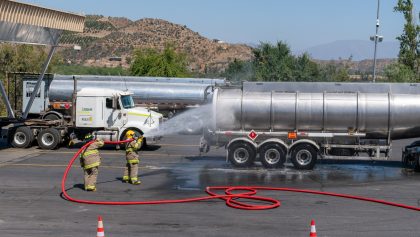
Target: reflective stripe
{"x":133,"y":161}
{"x":92,"y":165}
{"x":138,"y":114}
{"x":130,"y":149}
{"x":134,"y":179}
{"x":91,"y":152}
{"x":100,"y":234}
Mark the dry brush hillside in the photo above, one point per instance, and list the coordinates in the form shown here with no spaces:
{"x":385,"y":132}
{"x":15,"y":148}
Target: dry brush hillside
{"x":106,"y":37}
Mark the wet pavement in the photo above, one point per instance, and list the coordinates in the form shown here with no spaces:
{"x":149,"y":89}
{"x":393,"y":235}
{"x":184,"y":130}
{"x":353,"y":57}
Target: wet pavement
{"x":32,"y":206}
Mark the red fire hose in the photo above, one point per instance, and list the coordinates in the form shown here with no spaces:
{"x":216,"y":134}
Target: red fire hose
{"x":232,"y":195}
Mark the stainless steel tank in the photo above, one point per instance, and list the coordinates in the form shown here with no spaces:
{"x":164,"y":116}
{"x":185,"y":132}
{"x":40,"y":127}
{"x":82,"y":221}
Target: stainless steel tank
{"x":376,"y":114}
{"x":101,"y":78}
{"x":313,"y":87}
{"x":184,"y":91}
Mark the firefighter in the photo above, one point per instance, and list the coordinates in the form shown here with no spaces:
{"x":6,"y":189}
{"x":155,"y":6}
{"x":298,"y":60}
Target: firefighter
{"x":132,"y":166}
{"x":90,"y":161}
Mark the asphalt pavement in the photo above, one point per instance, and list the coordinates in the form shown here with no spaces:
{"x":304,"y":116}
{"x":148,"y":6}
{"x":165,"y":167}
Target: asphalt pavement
{"x":31,"y":203}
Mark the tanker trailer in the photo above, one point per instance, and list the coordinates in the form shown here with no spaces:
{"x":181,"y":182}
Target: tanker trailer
{"x":273,"y":125}
{"x":166,"y":95}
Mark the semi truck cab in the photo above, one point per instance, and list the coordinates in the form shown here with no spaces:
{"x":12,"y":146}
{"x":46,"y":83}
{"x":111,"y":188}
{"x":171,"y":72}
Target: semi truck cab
{"x":113,"y":110}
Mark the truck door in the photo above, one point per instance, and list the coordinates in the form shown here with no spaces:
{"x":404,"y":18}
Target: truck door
{"x":115,"y":114}
{"x":39,"y":102}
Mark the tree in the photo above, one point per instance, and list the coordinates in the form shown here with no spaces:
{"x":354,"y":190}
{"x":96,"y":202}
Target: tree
{"x":273,"y":62}
{"x":331,"y":72}
{"x":305,"y":69}
{"x":239,"y":71}
{"x":409,"y":54}
{"x":168,"y":63}
{"x":398,"y":72}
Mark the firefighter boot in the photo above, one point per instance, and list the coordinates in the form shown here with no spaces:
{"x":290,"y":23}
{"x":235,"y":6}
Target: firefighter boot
{"x":90,"y":188}
{"x":135,"y":181}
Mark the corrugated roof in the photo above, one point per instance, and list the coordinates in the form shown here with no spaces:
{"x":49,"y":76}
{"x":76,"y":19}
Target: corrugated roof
{"x":28,"y":14}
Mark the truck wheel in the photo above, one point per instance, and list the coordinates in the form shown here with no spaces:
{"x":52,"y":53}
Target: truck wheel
{"x":241,"y":154}
{"x":48,"y":139}
{"x":22,"y":137}
{"x":52,"y":117}
{"x":304,"y":157}
{"x":272,"y":155}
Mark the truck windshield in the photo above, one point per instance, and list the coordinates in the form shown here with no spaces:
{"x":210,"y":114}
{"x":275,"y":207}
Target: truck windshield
{"x":127,"y":101}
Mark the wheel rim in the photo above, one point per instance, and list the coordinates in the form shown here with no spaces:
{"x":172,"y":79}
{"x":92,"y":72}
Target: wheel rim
{"x":20,"y":138}
{"x":241,"y":155}
{"x":303,"y":157}
{"x":47,"y":139}
{"x":272,"y":156}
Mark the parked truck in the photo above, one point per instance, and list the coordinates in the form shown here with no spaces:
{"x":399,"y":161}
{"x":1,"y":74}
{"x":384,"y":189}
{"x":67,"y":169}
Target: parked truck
{"x":168,"y":96}
{"x":105,"y":113}
{"x":270,"y":122}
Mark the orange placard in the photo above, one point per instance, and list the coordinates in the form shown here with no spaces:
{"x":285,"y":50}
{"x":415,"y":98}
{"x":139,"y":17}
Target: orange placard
{"x":292,"y":135}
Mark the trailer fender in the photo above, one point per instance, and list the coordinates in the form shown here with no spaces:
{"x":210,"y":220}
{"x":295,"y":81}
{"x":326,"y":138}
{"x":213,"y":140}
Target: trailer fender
{"x":316,"y":146}
{"x":52,"y":115}
{"x":244,"y":140}
{"x":275,"y":140}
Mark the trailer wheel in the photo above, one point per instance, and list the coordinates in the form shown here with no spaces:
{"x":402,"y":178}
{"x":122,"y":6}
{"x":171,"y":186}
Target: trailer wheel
{"x":272,"y":155}
{"x":48,"y":139}
{"x":241,"y":154}
{"x":22,"y":137}
{"x":304,"y":157}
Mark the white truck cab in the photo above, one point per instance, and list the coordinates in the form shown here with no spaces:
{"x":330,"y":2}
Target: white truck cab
{"x":113,"y":110}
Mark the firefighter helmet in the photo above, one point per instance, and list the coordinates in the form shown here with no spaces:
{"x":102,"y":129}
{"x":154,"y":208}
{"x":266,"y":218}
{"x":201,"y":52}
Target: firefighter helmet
{"x":88,"y":137}
{"x":130,"y":134}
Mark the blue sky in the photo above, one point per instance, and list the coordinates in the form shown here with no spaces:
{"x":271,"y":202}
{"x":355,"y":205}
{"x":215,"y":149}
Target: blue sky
{"x":301,"y":23}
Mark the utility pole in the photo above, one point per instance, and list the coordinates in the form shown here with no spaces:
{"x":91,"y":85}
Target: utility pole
{"x":377,"y":39}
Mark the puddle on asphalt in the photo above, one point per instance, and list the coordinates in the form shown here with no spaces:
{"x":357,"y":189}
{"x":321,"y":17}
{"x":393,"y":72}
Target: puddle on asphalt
{"x":196,"y":175}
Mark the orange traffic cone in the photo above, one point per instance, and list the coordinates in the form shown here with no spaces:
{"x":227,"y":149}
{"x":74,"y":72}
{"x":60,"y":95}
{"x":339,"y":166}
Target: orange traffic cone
{"x":100,"y":231}
{"x":313,"y":229}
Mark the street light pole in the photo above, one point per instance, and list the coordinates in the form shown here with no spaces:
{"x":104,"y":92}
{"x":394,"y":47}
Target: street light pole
{"x":376,"y":42}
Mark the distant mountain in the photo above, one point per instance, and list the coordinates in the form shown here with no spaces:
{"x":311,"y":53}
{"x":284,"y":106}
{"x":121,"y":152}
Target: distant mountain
{"x":358,"y":49}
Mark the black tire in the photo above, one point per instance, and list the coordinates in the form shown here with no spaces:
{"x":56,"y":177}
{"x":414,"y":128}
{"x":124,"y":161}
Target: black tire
{"x":52,"y":117}
{"x":304,"y":157}
{"x":241,"y":154}
{"x":22,"y":137}
{"x":48,"y":139}
{"x":272,"y":155}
